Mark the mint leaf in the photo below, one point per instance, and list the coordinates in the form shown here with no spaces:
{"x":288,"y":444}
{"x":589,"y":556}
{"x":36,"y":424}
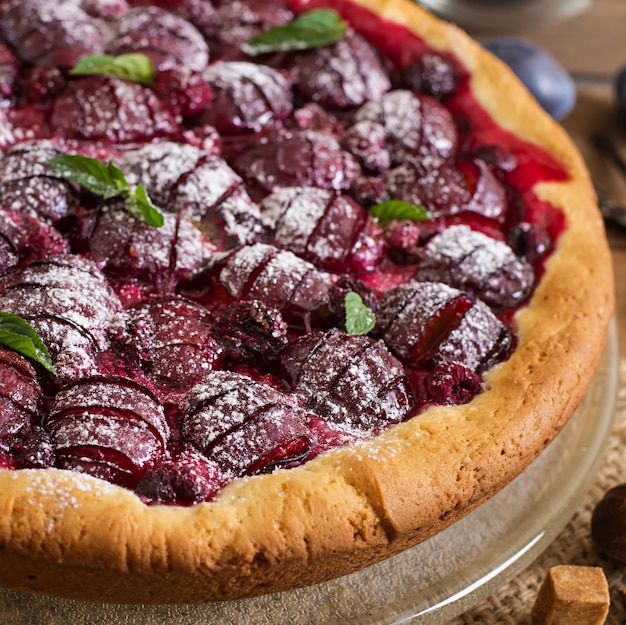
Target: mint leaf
{"x":103,"y":179}
{"x":107,"y":181}
{"x":313,"y":29}
{"x":21,"y":337}
{"x":141,"y":207}
{"x":359,"y":318}
{"x":393,"y":210}
{"x":134,"y":66}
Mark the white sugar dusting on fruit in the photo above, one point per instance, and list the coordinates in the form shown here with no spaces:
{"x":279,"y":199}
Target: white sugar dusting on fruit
{"x":458,"y":242}
{"x":293,"y":213}
{"x":235,"y":273}
{"x":279,"y":278}
{"x":158,"y":166}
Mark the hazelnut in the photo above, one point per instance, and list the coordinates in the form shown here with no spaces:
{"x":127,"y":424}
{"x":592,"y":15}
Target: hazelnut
{"x":608,"y":523}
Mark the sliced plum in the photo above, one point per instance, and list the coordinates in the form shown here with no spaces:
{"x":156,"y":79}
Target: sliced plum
{"x":351,"y":381}
{"x":111,"y":428}
{"x":246,"y":426}
{"x":329,"y":230}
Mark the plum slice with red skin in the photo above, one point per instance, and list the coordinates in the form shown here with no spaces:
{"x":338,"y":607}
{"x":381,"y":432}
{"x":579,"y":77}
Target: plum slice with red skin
{"x":351,"y":381}
{"x":166,"y":38}
{"x":296,"y":158}
{"x":366,"y":141}
{"x":20,"y":398}
{"x":278,"y":278}
{"x":49,"y":32}
{"x":415,"y":125}
{"x":342,"y":75}
{"x":473,"y":262}
{"x":329,"y":230}
{"x":449,"y":187}
{"x":28,"y":184}
{"x":25,"y":239}
{"x":247,"y":97}
{"x":159,"y":166}
{"x":237,"y":21}
{"x":201,"y":187}
{"x":69,"y":303}
{"x":112,"y":428}
{"x":112,"y":110}
{"x":431,"y":322}
{"x":171,"y":339}
{"x":128,"y":249}
{"x":246,"y":426}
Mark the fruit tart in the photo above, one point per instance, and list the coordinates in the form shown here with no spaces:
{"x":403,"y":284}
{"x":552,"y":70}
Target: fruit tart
{"x":286,"y":287}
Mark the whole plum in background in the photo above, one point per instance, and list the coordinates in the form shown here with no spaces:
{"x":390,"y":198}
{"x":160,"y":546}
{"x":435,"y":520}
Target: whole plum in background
{"x":543,"y":75}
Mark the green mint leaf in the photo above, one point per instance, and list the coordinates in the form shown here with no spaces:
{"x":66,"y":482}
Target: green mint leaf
{"x":359,"y":318}
{"x":134,"y":66}
{"x":141,"y":207}
{"x":393,"y":210}
{"x":105,"y":180}
{"x":313,"y":29}
{"x":21,"y":337}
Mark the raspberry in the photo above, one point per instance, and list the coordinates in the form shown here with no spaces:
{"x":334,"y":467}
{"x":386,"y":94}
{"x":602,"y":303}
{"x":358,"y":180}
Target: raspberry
{"x":252,"y":329}
{"x":529,"y":241}
{"x":432,"y":74}
{"x":451,"y":383}
{"x":344,"y":286}
{"x":43,"y":83}
{"x":187,"y":479}
{"x":35,"y":450}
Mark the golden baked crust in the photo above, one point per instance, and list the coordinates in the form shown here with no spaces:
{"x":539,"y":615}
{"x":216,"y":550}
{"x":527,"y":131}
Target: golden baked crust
{"x":71,"y":535}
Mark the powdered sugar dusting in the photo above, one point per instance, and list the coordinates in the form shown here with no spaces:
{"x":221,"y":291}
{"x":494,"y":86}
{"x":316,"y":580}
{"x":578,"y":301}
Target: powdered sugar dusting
{"x":236,"y":271}
{"x":293,"y":213}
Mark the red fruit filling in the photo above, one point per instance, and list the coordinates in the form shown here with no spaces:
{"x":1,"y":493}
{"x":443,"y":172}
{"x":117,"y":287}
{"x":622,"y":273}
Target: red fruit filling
{"x":217,"y":345}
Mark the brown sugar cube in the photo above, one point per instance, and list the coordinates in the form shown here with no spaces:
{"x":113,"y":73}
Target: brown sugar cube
{"x":572,"y":595}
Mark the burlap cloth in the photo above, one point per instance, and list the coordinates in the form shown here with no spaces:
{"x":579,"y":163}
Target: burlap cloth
{"x":512,"y":603}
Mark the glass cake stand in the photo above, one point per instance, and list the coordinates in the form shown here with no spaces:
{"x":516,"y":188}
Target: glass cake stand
{"x":428,"y":584}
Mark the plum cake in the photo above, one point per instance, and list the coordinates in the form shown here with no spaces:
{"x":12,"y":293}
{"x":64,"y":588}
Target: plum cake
{"x":286,"y":287}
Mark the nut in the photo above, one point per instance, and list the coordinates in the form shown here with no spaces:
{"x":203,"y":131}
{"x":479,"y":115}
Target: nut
{"x":608,"y":523}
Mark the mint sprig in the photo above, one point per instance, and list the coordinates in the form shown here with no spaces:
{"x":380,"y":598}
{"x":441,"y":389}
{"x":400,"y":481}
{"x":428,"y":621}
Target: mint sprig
{"x":133,"y":66}
{"x":107,"y":181}
{"x":316,"y":28}
{"x":21,"y":337}
{"x":393,"y":210}
{"x":359,"y":318}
